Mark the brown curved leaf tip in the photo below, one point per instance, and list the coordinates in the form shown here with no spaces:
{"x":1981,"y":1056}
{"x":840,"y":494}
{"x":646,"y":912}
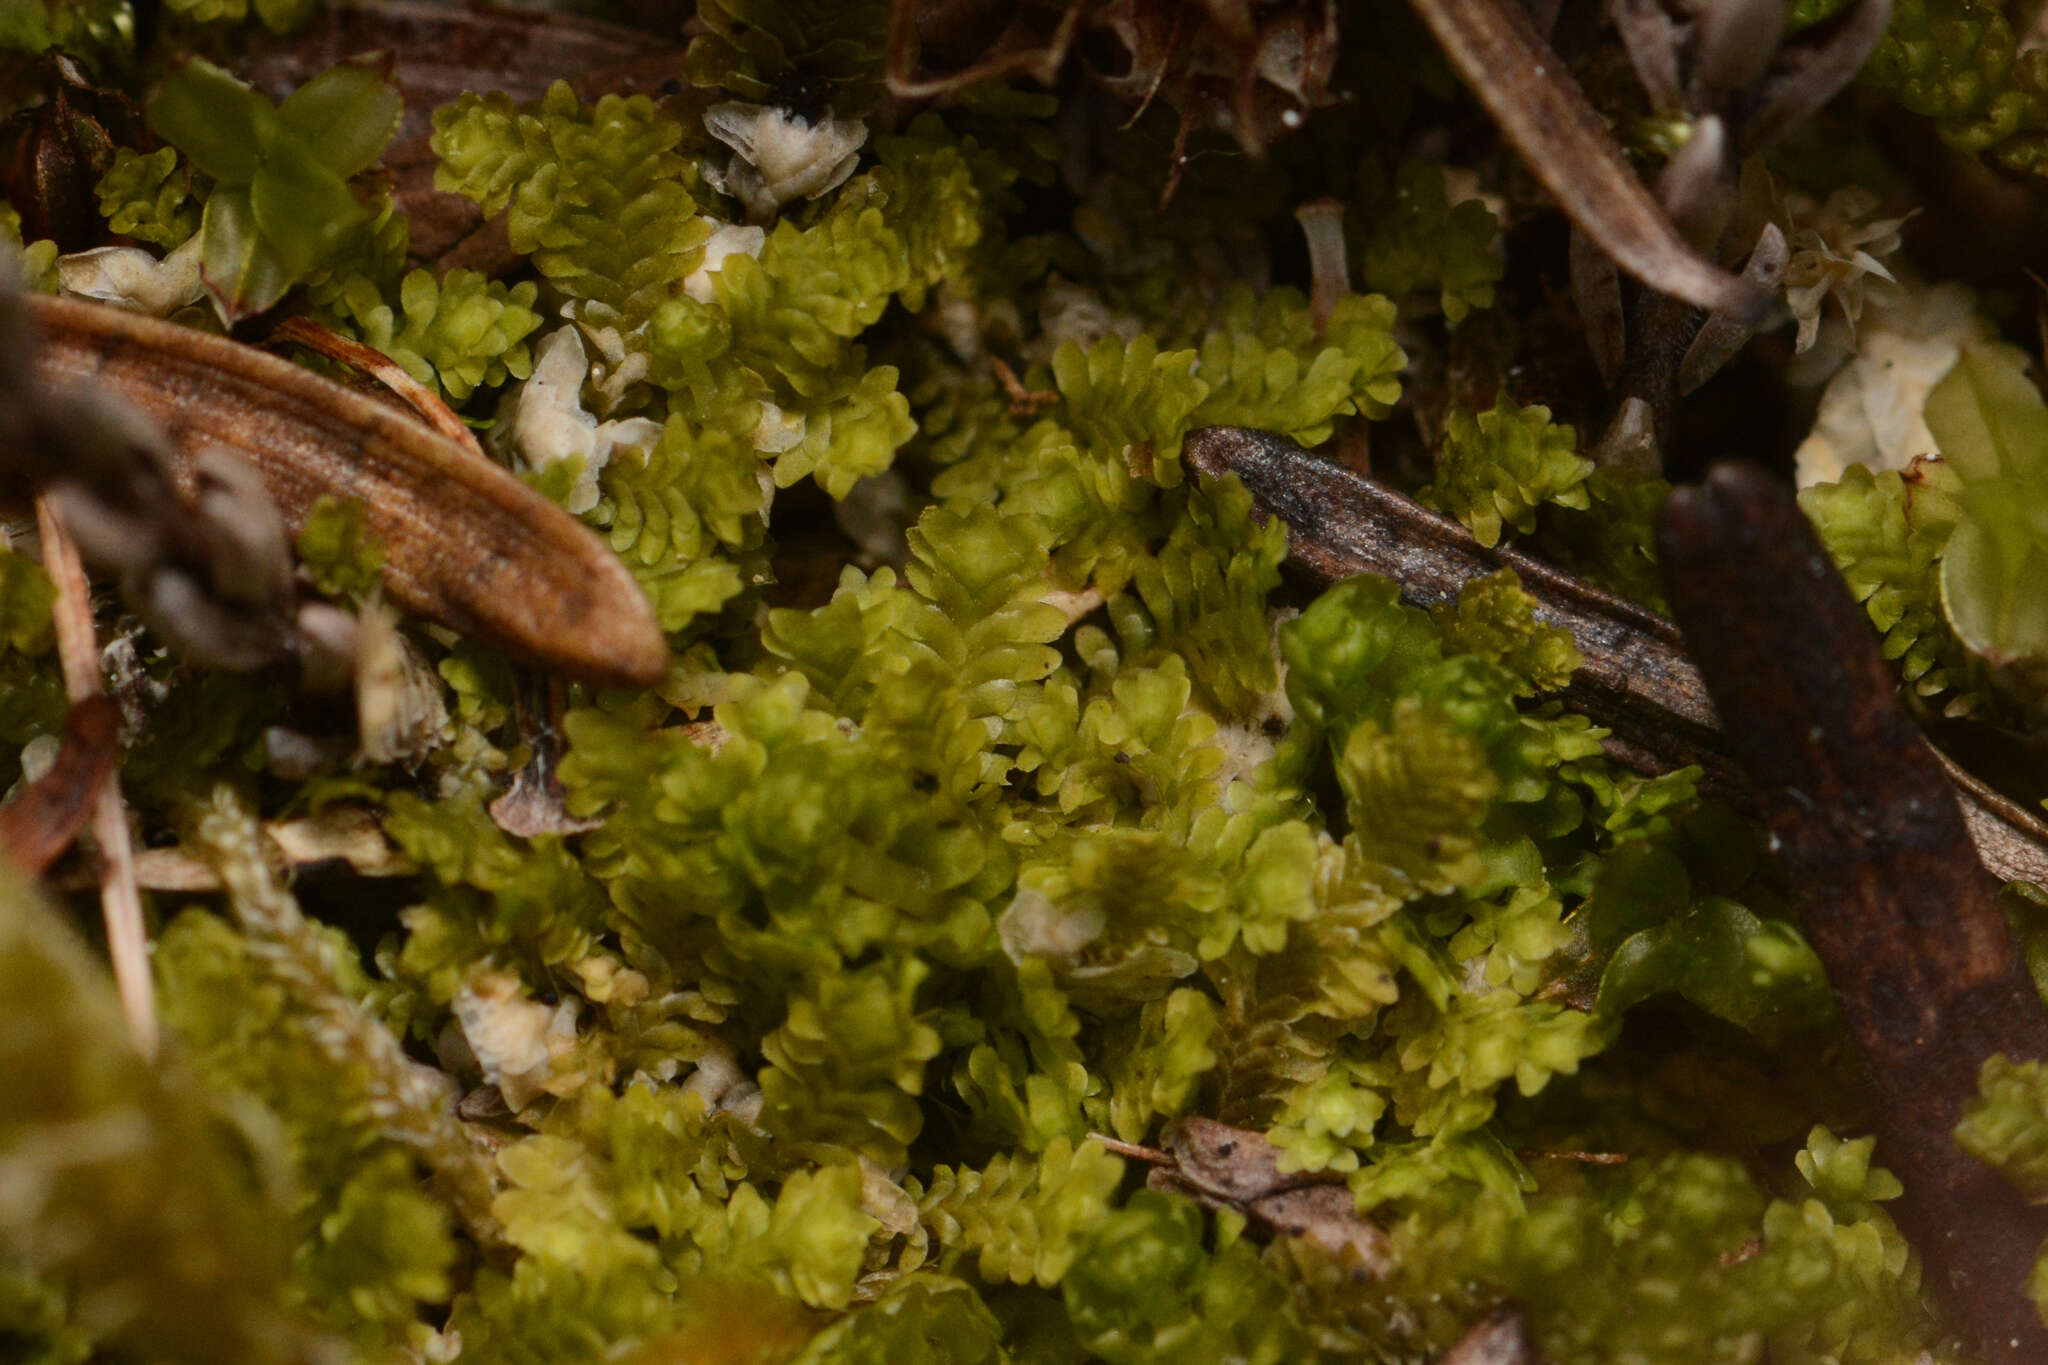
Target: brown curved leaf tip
{"x":42,"y":820}
{"x":465,"y":543}
{"x":1533,"y":98}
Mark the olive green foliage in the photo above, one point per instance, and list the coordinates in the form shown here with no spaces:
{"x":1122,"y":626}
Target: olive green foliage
{"x":2004,"y":1126}
{"x":1958,"y":62}
{"x":146,"y":196}
{"x":31,"y":693}
{"x":280,"y":16}
{"x":459,"y":333}
{"x":769,"y":51}
{"x":37,"y":260}
{"x":1993,"y":430}
{"x":1498,"y":467}
{"x":1886,"y":535}
{"x":335,"y":553}
{"x":998,"y":799}
{"x":135,"y":1202}
{"x":1411,"y":238}
{"x":95,"y":30}
{"x":281,"y":205}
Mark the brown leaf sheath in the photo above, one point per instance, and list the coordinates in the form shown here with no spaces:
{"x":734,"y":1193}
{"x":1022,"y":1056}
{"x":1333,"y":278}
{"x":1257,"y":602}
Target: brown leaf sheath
{"x":465,"y":543}
{"x":1533,"y":98}
{"x":1636,"y":679}
{"x":1904,"y":918}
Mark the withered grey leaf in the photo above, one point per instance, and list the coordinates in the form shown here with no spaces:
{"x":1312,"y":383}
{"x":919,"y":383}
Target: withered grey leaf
{"x":1502,"y":1337}
{"x":1651,"y":37}
{"x":1813,"y":69}
{"x":1533,"y":98}
{"x":1223,"y":1167}
{"x":1734,"y":43}
{"x":1697,"y":185}
{"x":1596,"y":289}
{"x":1721,"y":337}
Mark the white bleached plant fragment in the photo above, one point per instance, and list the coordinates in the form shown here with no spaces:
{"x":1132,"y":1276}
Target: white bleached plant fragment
{"x":1871,"y":413}
{"x":779,"y":156}
{"x":545,"y":421}
{"x":726,"y":240}
{"x":129,"y":277}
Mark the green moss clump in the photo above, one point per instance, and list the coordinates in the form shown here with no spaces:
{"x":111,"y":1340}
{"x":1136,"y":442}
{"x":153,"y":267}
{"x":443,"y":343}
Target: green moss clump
{"x":1001,"y":805}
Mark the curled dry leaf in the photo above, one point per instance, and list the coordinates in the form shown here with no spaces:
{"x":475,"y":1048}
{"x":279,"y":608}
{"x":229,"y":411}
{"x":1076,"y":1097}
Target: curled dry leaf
{"x":46,"y":815}
{"x":386,"y":371}
{"x":1502,"y":1337}
{"x":1222,"y":1167}
{"x":465,"y":543}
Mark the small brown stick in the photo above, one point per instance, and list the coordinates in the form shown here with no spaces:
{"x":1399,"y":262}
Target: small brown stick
{"x":437,"y":414}
{"x":120,"y":901}
{"x":1531,"y":95}
{"x":1893,"y":898}
{"x":1023,"y":402}
{"x":535,"y":803}
{"x":1636,"y":679}
{"x":40,"y":823}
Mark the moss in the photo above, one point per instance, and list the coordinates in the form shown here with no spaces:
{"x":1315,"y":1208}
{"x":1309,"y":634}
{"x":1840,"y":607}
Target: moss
{"x":1001,"y":794}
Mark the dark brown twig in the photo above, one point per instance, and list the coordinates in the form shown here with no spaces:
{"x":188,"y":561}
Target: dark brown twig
{"x":1636,"y":680}
{"x":1892,"y":898}
{"x":429,"y":406}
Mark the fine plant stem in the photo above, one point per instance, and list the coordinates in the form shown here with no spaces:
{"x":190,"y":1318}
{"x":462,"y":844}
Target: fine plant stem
{"x":120,"y":900}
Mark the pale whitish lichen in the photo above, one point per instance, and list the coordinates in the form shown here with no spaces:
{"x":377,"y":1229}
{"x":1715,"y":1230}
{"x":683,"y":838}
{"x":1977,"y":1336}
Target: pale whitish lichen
{"x":1871,"y":413}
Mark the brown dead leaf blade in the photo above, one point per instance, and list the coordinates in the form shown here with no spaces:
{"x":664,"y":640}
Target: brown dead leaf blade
{"x":465,"y":543}
{"x":1530,"y":94}
{"x":47,"y":814}
{"x":1906,"y":921}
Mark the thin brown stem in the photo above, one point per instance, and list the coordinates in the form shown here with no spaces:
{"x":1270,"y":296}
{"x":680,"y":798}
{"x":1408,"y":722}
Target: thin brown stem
{"x":120,"y":900}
